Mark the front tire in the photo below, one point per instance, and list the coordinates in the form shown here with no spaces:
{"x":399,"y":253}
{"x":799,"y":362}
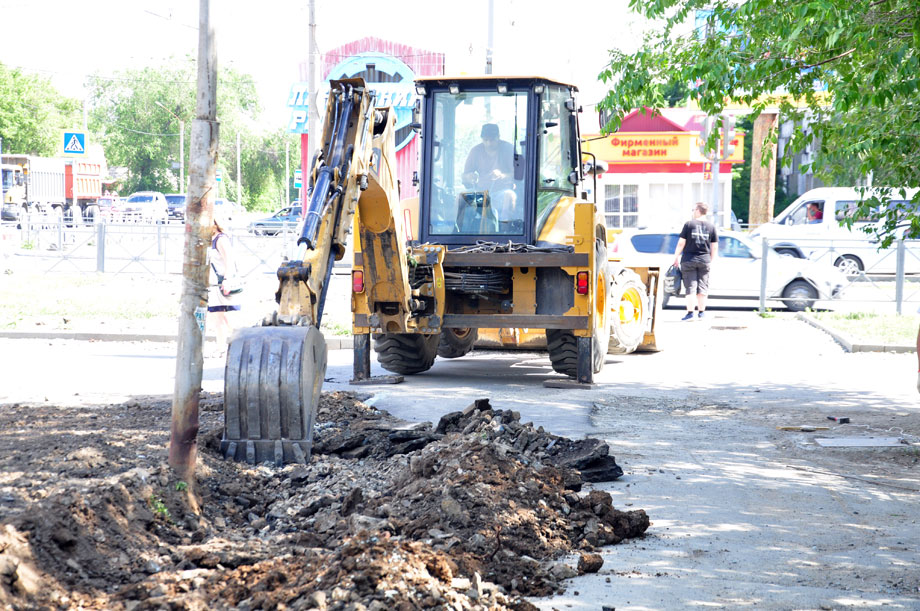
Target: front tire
{"x":630,"y":309}
{"x":800,"y":296}
{"x":406,"y":353}
{"x":454,"y":343}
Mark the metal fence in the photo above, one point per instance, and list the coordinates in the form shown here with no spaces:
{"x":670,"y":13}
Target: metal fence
{"x":888,"y":276}
{"x":52,"y":244}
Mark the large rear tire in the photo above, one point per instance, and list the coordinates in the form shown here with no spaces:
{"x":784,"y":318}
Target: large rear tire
{"x":629,"y":312}
{"x":455,"y":343}
{"x":406,"y":353}
{"x":562,"y":344}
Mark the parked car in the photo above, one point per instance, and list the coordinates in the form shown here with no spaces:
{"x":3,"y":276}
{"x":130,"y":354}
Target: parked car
{"x":147,"y":207}
{"x":10,"y":212}
{"x":736,"y":273}
{"x":820,"y":236}
{"x":273,"y":224}
{"x":176,"y":204}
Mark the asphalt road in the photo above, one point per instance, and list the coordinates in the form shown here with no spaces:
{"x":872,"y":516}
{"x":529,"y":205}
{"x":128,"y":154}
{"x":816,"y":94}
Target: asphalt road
{"x":744,"y":515}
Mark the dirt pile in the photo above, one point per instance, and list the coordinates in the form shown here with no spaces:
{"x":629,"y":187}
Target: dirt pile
{"x":472,"y":513}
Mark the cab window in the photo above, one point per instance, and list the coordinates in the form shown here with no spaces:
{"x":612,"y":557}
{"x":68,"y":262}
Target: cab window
{"x":799,"y":216}
{"x":556,"y":160}
{"x":477,"y":179}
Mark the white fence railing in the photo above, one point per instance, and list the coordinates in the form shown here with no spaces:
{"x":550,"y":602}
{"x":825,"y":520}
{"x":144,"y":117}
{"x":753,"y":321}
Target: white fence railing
{"x":53,"y":244}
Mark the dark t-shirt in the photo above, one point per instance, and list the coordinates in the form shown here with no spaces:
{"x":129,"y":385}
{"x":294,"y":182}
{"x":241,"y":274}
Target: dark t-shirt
{"x":699,"y":236}
{"x":480,"y":161}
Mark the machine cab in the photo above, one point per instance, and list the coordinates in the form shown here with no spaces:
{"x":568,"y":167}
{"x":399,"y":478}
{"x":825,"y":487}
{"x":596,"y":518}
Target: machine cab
{"x":497,"y":155}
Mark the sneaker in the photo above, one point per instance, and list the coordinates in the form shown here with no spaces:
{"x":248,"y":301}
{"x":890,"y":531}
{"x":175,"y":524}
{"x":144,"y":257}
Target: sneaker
{"x":700,"y":315}
{"x":688,"y":316}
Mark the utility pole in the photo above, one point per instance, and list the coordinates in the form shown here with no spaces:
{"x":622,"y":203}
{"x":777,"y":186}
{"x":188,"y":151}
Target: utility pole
{"x":1,"y":171}
{"x":182,"y":185}
{"x":193,"y":305}
{"x":239,"y":177}
{"x":287,"y":172}
{"x":716,"y":156}
{"x":312,"y":110}
{"x":491,"y":37}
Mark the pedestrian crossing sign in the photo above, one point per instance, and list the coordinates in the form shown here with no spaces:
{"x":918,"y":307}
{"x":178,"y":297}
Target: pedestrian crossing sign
{"x":74,"y":143}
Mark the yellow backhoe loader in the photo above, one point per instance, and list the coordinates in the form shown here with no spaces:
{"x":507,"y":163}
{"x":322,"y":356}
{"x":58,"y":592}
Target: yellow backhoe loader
{"x":502,"y":247}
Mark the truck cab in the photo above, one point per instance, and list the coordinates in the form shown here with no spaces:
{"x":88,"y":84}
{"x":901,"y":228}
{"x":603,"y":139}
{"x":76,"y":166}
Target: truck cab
{"x":13,"y":191}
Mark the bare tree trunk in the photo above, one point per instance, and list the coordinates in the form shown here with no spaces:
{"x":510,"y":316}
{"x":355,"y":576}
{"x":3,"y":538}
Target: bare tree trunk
{"x":763,"y":178}
{"x":193,"y":305}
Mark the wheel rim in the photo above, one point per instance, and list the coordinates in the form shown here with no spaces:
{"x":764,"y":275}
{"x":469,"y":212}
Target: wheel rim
{"x":629,"y":309}
{"x":600,"y":301}
{"x":848,"y":266}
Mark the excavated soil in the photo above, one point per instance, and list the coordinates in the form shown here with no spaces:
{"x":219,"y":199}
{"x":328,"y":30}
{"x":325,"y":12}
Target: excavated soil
{"x":477,"y":512}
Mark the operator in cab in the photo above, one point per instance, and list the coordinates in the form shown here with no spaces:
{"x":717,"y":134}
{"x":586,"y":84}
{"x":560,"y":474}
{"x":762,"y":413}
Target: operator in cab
{"x":490,"y":168}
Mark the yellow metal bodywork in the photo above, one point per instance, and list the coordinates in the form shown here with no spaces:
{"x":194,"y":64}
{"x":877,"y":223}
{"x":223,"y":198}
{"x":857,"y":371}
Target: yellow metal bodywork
{"x":302,"y":284}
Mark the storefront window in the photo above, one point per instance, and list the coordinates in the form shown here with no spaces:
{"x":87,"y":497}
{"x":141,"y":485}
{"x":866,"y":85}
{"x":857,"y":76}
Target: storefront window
{"x":621,"y":206}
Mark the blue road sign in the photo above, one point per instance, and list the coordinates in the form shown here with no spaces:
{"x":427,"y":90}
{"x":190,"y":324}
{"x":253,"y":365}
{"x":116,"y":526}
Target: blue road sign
{"x":74,"y":143}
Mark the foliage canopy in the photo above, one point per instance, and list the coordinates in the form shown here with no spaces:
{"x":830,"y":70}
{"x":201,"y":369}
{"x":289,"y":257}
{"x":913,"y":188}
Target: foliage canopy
{"x":33,"y":113}
{"x":850,"y":70}
{"x":136,"y":115}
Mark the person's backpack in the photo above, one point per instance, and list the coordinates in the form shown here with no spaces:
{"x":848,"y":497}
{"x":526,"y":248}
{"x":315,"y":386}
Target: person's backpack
{"x":672,"y":281}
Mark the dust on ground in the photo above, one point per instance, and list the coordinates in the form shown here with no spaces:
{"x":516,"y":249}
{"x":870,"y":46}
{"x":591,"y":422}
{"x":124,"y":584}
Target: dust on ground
{"x":477,"y":512}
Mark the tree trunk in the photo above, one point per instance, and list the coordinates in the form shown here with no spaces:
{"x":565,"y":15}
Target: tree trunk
{"x":193,"y":305}
{"x":763,"y":177}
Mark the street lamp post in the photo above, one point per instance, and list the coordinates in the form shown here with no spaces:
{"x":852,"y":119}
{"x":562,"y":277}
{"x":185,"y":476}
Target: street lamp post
{"x":182,"y":186}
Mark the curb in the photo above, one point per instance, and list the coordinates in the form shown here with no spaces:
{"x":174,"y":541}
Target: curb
{"x":332,"y":343}
{"x":848,"y":344}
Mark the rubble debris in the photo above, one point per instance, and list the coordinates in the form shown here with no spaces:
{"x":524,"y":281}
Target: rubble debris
{"x":473,"y":513}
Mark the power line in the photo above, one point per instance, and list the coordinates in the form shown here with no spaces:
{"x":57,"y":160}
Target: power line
{"x":128,"y":129}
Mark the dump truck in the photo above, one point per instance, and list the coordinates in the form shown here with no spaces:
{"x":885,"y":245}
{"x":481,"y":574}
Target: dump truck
{"x":71,"y":187}
{"x":39,"y":183}
{"x":83,"y":186}
{"x":502,"y":236}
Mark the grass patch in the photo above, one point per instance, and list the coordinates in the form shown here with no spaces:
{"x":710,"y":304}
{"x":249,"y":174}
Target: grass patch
{"x":872,"y":328}
{"x":29,"y":297}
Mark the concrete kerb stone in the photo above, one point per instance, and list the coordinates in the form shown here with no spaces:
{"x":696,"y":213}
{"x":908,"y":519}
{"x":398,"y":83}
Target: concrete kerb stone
{"x":332,"y":343}
{"x":848,"y":343}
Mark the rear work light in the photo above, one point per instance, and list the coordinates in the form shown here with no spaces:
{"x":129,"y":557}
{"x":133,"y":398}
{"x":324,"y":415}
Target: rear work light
{"x":357,"y":281}
{"x":581,"y":283}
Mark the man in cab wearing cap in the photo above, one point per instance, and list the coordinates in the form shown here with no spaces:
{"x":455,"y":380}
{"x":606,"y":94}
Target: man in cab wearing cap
{"x":490,"y":168}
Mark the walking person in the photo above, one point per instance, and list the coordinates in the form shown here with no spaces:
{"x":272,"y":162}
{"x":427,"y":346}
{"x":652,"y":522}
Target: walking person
{"x":696,"y":249}
{"x":222,"y":302}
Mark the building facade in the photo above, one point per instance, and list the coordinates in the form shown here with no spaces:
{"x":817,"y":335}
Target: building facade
{"x":656,"y":172}
{"x":390,"y":69}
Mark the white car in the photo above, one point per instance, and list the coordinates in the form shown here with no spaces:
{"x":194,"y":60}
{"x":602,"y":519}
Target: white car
{"x":147,"y":207}
{"x":822,"y":238}
{"x":736,"y":273}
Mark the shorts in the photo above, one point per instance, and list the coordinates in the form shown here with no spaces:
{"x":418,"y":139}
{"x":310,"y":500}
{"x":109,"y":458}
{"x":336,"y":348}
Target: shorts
{"x":696,"y":277}
{"x":218,"y":302}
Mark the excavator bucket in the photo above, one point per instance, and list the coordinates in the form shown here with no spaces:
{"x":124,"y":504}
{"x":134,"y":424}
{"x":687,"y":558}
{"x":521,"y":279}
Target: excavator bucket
{"x":272,"y":385}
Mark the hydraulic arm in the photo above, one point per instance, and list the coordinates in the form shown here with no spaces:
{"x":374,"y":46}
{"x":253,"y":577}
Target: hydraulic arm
{"x":274,"y":373}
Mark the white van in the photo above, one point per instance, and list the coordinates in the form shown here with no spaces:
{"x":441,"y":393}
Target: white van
{"x":819,"y":236}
